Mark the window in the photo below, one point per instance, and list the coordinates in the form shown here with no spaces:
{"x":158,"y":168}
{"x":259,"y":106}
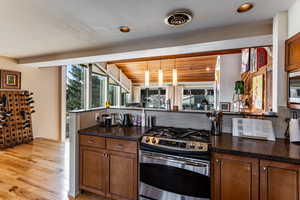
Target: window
{"x":113,"y":93}
{"x":76,"y":87}
{"x":198,"y":99}
{"x":124,"y":97}
{"x":98,"y":85}
{"x":153,"y":98}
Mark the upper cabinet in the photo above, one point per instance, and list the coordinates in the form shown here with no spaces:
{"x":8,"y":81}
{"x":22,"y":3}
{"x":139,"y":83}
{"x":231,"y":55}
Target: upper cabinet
{"x":292,"y":53}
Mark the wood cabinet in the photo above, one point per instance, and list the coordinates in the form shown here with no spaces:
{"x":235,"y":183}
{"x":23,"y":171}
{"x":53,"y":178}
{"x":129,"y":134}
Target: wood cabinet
{"x":235,"y":178}
{"x":109,"y":167}
{"x":123,"y":175}
{"x":93,"y":170}
{"x":279,"y":181}
{"x":292,"y":53}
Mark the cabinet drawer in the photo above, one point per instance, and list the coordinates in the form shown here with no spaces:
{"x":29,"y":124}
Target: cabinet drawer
{"x":92,"y":141}
{"x":122,"y":145}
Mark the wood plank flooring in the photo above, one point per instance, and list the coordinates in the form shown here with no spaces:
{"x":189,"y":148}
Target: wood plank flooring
{"x":37,"y":171}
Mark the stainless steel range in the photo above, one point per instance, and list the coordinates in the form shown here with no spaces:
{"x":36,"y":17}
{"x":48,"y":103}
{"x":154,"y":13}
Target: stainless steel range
{"x":174,"y":164}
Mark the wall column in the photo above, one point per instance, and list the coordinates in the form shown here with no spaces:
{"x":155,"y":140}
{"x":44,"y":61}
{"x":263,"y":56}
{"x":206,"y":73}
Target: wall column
{"x":280,"y":34}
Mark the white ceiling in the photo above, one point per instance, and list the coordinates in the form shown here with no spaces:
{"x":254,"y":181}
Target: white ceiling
{"x":32,"y":28}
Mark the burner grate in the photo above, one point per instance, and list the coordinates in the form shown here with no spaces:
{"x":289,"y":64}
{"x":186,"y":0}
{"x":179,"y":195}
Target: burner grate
{"x":179,"y":133}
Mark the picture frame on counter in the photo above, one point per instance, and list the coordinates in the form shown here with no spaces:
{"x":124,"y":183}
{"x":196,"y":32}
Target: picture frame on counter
{"x":225,"y":106}
{"x":10,"y":79}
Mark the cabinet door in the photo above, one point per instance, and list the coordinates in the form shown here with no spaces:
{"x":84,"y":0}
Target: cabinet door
{"x":93,"y":163}
{"x":235,"y":178}
{"x":292,"y":53}
{"x":279,"y":181}
{"x":122,"y":176}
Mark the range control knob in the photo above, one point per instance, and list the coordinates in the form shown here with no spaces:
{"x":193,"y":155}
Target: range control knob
{"x":153,"y":140}
{"x":147,"y":140}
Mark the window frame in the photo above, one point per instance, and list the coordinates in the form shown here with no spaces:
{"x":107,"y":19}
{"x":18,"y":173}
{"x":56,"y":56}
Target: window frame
{"x":205,"y":88}
{"x":91,"y":88}
{"x":158,"y":88}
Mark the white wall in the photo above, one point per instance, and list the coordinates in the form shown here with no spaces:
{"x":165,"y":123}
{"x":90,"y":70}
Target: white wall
{"x":44,"y":83}
{"x":230,"y":71}
{"x":293,"y":19}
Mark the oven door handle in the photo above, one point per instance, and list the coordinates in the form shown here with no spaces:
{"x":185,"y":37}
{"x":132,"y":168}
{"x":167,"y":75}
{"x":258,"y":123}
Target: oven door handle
{"x":184,"y":162}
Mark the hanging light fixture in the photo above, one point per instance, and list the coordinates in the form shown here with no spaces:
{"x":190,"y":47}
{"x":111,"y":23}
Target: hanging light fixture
{"x":174,"y":74}
{"x":147,"y":77}
{"x":160,"y":76}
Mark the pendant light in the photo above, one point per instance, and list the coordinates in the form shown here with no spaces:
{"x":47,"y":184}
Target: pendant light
{"x":160,"y":76}
{"x":175,"y":74}
{"x":147,"y":77}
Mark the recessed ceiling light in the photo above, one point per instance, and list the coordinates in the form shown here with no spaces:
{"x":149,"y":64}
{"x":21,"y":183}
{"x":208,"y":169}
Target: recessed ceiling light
{"x":124,"y":29}
{"x":245,"y":7}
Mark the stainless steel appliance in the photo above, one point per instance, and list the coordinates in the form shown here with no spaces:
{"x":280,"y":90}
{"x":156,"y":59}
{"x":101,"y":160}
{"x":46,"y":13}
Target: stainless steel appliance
{"x":126,"y":119}
{"x":294,"y":87}
{"x":174,"y":164}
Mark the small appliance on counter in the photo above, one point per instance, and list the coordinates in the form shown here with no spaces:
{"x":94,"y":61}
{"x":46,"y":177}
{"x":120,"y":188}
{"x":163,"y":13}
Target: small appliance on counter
{"x":253,"y":128}
{"x":126,"y":119}
{"x":108,"y":119}
{"x":215,"y":118}
{"x":294,"y":132}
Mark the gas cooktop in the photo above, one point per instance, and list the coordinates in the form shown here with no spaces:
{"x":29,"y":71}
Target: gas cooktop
{"x":179,"y":139}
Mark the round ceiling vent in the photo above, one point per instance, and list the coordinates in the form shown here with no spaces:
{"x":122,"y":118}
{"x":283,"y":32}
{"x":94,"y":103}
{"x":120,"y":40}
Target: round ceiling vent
{"x":179,"y":18}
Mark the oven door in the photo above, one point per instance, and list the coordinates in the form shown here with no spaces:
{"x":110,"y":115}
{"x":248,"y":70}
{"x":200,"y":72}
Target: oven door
{"x":294,"y":87}
{"x":165,"y":177}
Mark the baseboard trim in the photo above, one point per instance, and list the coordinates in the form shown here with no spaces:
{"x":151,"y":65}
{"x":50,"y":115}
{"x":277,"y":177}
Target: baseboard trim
{"x":43,"y":138}
{"x":71,"y":196}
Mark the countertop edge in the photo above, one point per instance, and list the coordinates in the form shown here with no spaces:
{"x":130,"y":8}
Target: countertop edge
{"x":110,"y":136}
{"x":255,"y":155}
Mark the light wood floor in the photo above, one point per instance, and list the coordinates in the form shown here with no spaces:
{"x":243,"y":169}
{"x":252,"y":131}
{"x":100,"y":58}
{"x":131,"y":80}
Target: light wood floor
{"x":37,"y":171}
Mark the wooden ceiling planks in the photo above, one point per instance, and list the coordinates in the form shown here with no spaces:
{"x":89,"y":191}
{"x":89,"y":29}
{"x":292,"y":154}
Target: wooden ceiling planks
{"x":189,"y":69}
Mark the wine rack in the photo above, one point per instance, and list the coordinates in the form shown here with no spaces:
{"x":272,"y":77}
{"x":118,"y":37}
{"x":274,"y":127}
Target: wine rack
{"x":15,"y":117}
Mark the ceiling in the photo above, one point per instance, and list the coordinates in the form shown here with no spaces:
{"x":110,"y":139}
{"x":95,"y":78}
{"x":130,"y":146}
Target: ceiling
{"x":189,"y":69}
{"x":33,"y":28}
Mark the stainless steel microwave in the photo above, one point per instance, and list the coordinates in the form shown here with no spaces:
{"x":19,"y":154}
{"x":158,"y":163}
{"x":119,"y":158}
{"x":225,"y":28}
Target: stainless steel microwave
{"x":294,"y":87}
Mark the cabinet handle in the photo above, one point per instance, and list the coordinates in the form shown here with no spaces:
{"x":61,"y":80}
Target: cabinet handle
{"x":120,"y":146}
{"x":217,"y":160}
{"x":264,"y":168}
{"x":90,"y":141}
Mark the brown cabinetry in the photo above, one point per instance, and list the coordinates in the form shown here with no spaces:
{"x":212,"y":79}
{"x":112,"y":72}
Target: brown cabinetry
{"x":279,"y":181}
{"x":235,"y":178}
{"x":108,"y":167}
{"x":123,"y":175}
{"x":93,"y":170}
{"x":292,"y":53}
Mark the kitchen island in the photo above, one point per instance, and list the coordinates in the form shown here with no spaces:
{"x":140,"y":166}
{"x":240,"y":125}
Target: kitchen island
{"x":255,"y":168}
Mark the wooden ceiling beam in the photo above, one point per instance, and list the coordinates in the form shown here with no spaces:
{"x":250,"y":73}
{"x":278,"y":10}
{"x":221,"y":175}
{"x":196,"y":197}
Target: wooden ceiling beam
{"x":211,"y":53}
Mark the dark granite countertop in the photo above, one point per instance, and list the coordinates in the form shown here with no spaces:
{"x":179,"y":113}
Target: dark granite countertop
{"x":281,"y":150}
{"x":126,"y":133}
